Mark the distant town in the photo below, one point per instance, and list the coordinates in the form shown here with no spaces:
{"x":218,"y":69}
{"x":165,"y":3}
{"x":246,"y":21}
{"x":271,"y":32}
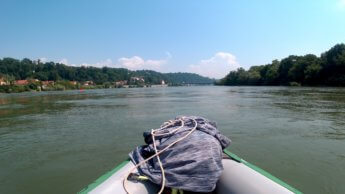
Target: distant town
{"x":50,"y":85}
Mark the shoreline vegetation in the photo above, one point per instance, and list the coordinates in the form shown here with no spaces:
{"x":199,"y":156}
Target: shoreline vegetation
{"x":34,"y":75}
{"x":307,"y":70}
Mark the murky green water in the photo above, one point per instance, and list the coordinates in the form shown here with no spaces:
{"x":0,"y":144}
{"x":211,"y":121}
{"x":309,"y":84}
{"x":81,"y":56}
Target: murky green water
{"x":58,"y":142}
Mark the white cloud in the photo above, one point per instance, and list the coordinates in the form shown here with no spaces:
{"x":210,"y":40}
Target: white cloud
{"x":105,"y":63}
{"x":64,"y":61}
{"x":43,"y":59}
{"x":132,"y":63}
{"x":137,"y":63}
{"x":217,"y":66}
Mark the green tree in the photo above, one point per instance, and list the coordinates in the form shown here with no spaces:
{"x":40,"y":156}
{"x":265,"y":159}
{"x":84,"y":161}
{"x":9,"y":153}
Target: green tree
{"x":284,"y":68}
{"x":333,"y":66}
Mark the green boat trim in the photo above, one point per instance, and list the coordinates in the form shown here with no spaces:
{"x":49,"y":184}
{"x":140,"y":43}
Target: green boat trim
{"x":263,"y":172}
{"x":104,"y":177}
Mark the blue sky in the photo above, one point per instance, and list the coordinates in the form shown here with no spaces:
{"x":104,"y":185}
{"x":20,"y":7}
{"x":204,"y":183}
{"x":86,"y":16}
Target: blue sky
{"x":206,"y":37}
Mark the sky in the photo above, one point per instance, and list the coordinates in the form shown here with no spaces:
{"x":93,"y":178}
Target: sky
{"x":210,"y":38}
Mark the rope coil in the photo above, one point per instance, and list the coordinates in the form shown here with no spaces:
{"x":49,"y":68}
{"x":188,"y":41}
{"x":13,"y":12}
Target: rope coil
{"x":157,"y":153}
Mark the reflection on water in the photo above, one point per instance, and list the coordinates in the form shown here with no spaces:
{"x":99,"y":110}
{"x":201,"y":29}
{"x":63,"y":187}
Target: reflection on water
{"x":58,"y":142}
{"x":322,"y":104}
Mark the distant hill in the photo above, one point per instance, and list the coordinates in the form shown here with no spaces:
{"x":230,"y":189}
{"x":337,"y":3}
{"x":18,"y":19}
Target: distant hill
{"x":29,"y":69}
{"x":188,"y":78}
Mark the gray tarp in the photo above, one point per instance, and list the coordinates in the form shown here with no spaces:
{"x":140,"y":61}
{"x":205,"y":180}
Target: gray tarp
{"x":194,"y":164}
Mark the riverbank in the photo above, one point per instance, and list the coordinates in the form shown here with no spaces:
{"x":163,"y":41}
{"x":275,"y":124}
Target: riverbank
{"x":62,"y":86}
{"x":309,"y":70}
{"x":67,"y":85}
{"x":59,"y":86}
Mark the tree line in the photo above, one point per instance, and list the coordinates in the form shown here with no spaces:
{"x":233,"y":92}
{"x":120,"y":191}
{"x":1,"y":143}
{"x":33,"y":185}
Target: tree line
{"x":308,"y":70}
{"x":14,"y":69}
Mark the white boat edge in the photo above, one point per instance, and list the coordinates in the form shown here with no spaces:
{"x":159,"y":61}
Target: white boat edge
{"x":238,"y":177}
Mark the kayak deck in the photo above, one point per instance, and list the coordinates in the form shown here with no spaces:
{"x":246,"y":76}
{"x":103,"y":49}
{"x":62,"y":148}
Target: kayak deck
{"x":239,"y":176}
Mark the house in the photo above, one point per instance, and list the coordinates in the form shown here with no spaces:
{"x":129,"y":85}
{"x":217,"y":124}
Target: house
{"x":33,"y":80}
{"x":21,"y":82}
{"x":73,"y":82}
{"x":45,"y":83}
{"x":120,"y":83}
{"x":137,"y":79}
{"x":3,"y":82}
{"x":88,"y":83}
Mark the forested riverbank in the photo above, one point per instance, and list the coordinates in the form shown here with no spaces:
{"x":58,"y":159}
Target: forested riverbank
{"x":308,"y":70}
{"x":34,"y":75}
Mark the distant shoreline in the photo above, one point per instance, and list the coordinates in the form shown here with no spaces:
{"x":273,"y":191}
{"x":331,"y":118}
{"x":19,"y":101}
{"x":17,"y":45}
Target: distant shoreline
{"x":19,"y":89}
{"x":308,"y":70}
{"x":26,"y":75}
{"x":96,"y":87}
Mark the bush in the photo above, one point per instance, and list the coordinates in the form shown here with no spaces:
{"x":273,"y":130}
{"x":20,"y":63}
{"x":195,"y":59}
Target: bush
{"x":59,"y":87}
{"x":294,"y":84}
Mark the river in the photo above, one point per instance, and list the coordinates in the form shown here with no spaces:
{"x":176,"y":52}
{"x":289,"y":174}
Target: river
{"x":59,"y":142}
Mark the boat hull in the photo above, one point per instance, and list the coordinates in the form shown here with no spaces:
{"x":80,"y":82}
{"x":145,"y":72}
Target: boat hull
{"x":238,"y":177}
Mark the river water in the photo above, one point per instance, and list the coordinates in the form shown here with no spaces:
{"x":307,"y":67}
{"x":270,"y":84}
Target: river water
{"x":59,"y":142}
